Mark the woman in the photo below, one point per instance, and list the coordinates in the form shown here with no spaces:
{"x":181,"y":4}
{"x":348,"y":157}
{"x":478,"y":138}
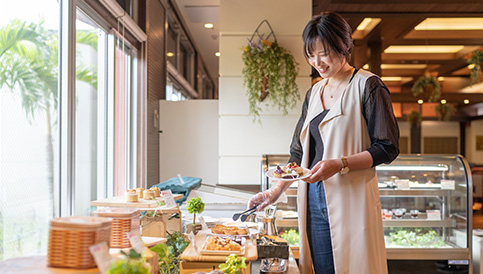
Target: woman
{"x":347,"y":127}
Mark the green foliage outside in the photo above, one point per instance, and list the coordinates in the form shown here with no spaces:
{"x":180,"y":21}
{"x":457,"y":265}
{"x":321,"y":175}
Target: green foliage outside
{"x":29,"y":68}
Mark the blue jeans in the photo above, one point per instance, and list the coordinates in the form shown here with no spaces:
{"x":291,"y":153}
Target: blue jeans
{"x":318,"y":230}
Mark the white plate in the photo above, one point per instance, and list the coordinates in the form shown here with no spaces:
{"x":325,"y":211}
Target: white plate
{"x":269,"y":174}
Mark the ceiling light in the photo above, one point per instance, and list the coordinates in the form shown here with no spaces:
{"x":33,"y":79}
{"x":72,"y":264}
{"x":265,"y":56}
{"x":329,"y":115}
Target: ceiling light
{"x":209,"y":25}
{"x":217,"y":53}
{"x":466,"y":23}
{"x":471,"y":66}
{"x":365,"y":27}
{"x":420,"y":101}
{"x":443,"y":102}
{"x":440,"y":78}
{"x":403,"y":66}
{"x":423,"y":49}
{"x":170,"y":54}
{"x":366,"y":66}
{"x":466,"y":101}
{"x":390,"y":78}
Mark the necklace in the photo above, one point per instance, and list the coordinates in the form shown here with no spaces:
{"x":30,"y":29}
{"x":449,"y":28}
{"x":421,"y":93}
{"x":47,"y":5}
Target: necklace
{"x":334,"y":90}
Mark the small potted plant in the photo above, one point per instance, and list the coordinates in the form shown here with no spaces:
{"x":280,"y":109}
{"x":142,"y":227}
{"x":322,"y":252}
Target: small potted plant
{"x":475,"y":58}
{"x":428,"y":87}
{"x":194,"y":206}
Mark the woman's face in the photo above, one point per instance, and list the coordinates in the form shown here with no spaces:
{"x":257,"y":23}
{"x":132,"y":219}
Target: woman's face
{"x":327,"y":65}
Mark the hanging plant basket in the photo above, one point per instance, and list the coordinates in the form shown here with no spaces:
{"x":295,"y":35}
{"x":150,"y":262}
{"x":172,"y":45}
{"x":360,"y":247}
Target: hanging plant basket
{"x":427,"y":88}
{"x":445,"y":111}
{"x":414,"y":118}
{"x":269,"y":72}
{"x":476,"y":58}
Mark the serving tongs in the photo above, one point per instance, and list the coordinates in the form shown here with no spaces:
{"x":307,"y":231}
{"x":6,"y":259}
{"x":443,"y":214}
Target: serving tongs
{"x":245,"y":214}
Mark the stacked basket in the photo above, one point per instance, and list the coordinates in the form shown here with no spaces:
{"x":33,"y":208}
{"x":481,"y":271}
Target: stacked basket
{"x":71,"y":237}
{"x":124,"y":220}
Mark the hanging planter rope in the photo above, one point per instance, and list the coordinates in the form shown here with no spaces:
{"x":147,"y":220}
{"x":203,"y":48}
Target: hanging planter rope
{"x":269,"y":70}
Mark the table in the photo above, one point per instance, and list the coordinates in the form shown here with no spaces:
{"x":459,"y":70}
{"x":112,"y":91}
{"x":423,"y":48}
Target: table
{"x":38,"y":264}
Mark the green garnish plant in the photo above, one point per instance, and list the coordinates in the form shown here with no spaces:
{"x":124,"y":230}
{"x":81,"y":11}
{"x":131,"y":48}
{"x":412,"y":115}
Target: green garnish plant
{"x":233,"y":264}
{"x":195,"y":206}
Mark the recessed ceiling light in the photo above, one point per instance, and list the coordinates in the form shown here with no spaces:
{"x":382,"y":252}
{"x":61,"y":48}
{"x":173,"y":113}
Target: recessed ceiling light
{"x":466,"y":101}
{"x":209,"y":25}
{"x":366,"y":66}
{"x":365,"y":27}
{"x":466,"y":23}
{"x":420,"y":101}
{"x":217,"y":53}
{"x":470,"y":66}
{"x":169,"y":54}
{"x":403,"y":66}
{"x":440,"y":78}
{"x":423,"y":49}
{"x":443,"y":101}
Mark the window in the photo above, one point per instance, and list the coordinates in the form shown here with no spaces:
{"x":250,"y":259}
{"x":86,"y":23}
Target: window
{"x":28,"y":125}
{"x":93,"y":148}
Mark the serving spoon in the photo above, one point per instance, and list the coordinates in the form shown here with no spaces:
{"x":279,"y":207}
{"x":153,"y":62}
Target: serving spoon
{"x":237,"y":215}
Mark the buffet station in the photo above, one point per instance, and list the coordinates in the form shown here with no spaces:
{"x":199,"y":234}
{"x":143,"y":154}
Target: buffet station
{"x":142,"y":232}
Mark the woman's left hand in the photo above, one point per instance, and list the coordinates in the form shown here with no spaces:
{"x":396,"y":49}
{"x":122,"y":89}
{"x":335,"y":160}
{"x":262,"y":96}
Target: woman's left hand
{"x":323,"y":170}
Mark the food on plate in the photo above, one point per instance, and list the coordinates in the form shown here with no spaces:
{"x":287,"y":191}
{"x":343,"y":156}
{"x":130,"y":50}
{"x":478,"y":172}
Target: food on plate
{"x":140,"y":191}
{"x":131,"y":195}
{"x":294,"y":166}
{"x":228,"y":230}
{"x":149,"y":194}
{"x":157,"y":191}
{"x":218,"y":243}
{"x":291,"y":171}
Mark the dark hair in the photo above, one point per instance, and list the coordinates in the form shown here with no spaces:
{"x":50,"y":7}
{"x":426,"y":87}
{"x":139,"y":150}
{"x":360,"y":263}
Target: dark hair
{"x":332,"y":30}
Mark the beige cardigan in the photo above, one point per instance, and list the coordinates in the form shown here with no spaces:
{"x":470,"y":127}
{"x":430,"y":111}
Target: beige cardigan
{"x":353,"y":203}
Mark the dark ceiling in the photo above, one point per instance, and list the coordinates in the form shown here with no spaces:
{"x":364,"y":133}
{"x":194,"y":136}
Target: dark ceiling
{"x":398,"y":19}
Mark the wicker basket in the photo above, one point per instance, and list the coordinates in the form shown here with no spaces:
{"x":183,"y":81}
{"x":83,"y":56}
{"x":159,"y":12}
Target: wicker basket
{"x":71,"y":237}
{"x":123,"y":220}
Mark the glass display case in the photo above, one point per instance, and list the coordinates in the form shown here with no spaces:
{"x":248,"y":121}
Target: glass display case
{"x":427,"y":208}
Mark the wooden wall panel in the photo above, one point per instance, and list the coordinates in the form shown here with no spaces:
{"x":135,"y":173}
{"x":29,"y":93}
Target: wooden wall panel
{"x":156,"y":82}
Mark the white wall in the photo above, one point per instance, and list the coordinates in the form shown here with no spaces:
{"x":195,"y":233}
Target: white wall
{"x":189,"y":139}
{"x":242,"y":142}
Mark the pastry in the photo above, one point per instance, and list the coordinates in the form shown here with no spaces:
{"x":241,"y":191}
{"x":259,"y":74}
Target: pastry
{"x":149,"y":194}
{"x":157,"y":191}
{"x":294,"y":166}
{"x":139,"y":191}
{"x":286,"y":172}
{"x":131,"y":195}
{"x":228,"y":230}
{"x":217,"y":243}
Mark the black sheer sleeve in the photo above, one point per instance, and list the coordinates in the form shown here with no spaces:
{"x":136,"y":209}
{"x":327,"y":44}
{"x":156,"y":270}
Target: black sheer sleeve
{"x":381,"y":123}
{"x":296,"y":145}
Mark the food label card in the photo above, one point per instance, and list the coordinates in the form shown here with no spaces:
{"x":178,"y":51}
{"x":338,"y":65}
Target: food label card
{"x":204,"y":226}
{"x":447,"y":184}
{"x":168,"y":198}
{"x":192,"y":239}
{"x":136,"y":241}
{"x":101,"y":255}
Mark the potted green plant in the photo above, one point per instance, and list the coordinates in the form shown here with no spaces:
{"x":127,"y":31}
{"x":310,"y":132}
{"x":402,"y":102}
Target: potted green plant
{"x":269,"y":70}
{"x":169,"y":253}
{"x":414,"y":118}
{"x":428,"y":87}
{"x":475,"y":58}
{"x":445,"y":111}
{"x":233,"y":264}
{"x":194,"y":206}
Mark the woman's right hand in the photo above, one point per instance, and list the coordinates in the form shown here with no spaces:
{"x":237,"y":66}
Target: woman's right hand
{"x":263,"y":199}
